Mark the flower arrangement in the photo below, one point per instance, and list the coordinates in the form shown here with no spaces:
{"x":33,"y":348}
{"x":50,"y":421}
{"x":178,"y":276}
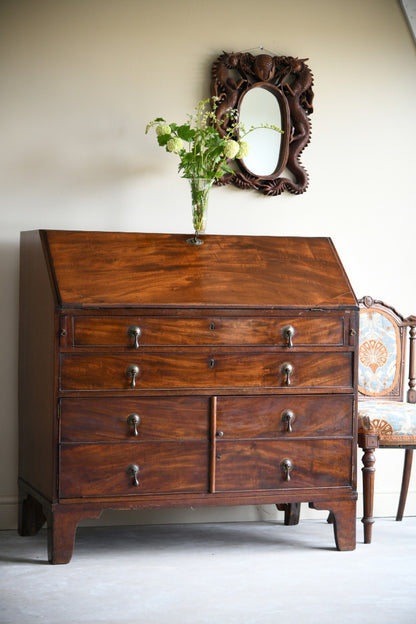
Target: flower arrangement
{"x":202,"y":149}
{"x":204,"y":145}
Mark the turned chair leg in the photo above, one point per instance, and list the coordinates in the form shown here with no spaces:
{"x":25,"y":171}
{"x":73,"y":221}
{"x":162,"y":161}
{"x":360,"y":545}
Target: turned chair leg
{"x":368,"y":470}
{"x":407,"y":469}
{"x":368,"y":443}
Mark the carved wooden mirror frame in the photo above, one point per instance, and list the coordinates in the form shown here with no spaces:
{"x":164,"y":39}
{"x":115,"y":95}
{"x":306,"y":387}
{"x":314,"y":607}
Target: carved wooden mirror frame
{"x":290,"y":80}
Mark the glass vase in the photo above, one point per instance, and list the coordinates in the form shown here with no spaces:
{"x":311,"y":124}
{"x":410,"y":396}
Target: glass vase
{"x":200,"y":188}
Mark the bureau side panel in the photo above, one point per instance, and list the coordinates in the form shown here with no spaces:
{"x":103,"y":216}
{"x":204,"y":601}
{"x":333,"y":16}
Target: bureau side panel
{"x":37,"y":450}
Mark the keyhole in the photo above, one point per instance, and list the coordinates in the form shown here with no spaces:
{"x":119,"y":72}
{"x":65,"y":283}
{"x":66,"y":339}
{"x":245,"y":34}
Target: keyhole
{"x":211,"y":362}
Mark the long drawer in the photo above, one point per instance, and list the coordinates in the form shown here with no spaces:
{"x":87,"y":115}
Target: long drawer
{"x":105,"y":469}
{"x":170,"y":370}
{"x":187,"y":418}
{"x":162,"y":418}
{"x":292,"y":416}
{"x":121,"y":331}
{"x":260,"y":465}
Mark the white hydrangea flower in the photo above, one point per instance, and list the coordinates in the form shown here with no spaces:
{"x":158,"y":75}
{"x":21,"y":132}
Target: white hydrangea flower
{"x":163,"y":129}
{"x":174,"y":145}
{"x":231,"y":148}
{"x":244,"y":150}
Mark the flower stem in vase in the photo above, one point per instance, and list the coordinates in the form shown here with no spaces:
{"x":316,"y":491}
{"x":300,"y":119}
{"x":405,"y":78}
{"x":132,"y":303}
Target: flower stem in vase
{"x":200,"y":188}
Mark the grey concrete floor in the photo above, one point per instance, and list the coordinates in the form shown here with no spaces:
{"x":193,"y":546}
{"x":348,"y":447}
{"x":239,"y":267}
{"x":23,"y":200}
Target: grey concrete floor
{"x":245,"y":573}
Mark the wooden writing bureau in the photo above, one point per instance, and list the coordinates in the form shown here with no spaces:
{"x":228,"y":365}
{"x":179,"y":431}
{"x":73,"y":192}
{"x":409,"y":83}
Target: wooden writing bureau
{"x":154,"y":373}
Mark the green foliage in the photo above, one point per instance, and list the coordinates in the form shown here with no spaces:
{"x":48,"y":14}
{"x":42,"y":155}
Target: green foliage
{"x":201,"y":144}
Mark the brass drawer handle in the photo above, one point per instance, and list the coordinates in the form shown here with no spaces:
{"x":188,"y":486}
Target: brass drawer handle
{"x":133,"y":471}
{"x":287,"y":370}
{"x":288,"y":333}
{"x":133,"y":420}
{"x":132,"y":372}
{"x":286,"y":466}
{"x":134,"y":332}
{"x":288,"y":417}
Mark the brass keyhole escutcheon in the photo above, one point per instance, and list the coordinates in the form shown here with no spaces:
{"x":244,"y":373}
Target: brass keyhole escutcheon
{"x":211,"y":362}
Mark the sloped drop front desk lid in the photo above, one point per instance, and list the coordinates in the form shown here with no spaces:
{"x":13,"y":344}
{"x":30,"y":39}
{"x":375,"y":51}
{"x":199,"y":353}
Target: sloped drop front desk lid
{"x":106,"y":269}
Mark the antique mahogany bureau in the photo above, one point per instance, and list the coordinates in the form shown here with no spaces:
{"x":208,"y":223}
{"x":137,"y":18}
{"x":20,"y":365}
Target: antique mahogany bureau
{"x":154,"y":374}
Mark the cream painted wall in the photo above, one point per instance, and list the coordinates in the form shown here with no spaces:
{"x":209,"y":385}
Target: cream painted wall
{"x":79,"y":82}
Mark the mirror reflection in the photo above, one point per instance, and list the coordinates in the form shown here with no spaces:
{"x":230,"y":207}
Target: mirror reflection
{"x":260,"y":106}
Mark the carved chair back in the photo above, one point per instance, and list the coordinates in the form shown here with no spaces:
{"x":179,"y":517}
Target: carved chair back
{"x":382,"y":351}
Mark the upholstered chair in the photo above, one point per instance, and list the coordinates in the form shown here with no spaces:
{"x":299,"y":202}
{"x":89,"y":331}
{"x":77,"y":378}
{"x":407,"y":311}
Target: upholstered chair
{"x":385,"y":419}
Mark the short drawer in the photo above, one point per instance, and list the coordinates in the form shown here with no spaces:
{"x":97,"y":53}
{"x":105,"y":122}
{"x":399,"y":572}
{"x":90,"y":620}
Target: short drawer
{"x":105,"y":469}
{"x":192,"y":370}
{"x":259,"y":465}
{"x":121,"y":331}
{"x":270,"y":417}
{"x":138,"y":419}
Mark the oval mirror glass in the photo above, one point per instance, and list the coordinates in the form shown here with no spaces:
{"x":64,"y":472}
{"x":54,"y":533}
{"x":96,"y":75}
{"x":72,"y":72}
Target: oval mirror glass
{"x":260,"y":106}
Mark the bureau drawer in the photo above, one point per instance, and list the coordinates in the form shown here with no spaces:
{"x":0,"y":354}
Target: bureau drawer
{"x":192,"y":370}
{"x":118,"y":331}
{"x":103,"y":469}
{"x":283,"y":416}
{"x":257,"y":465}
{"x":94,"y":420}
